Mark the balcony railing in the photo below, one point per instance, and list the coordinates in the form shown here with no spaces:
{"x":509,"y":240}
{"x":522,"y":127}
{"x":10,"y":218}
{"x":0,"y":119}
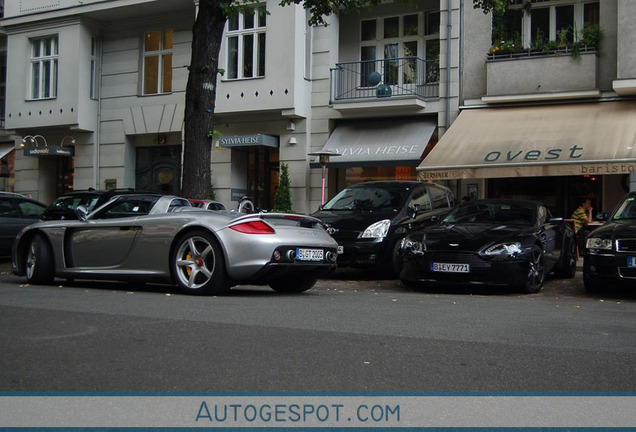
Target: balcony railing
{"x":408,"y":76}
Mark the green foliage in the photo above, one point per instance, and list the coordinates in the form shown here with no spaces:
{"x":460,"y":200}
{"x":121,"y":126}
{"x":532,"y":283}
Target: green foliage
{"x":592,"y":35}
{"x":282,"y":196}
{"x":490,"y":5}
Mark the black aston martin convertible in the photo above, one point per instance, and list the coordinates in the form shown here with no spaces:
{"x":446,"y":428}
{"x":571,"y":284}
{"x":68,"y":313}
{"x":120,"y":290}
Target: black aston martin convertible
{"x":491,"y":242}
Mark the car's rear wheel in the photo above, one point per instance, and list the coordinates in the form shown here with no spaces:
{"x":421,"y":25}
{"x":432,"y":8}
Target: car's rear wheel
{"x":567,"y":266}
{"x":292,"y":285}
{"x":198,"y":265}
{"x":536,"y":271}
{"x":39,"y":261}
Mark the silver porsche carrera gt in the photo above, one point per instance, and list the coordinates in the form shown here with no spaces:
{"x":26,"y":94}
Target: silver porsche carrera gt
{"x":157,"y":238}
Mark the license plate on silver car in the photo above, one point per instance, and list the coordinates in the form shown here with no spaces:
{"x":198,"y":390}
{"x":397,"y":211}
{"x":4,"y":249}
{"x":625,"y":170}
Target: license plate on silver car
{"x":450,"y":267}
{"x":309,"y":254}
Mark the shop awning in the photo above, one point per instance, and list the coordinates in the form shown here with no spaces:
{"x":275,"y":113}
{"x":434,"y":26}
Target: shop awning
{"x":5,"y":149}
{"x":389,"y":142}
{"x":555,"y":140}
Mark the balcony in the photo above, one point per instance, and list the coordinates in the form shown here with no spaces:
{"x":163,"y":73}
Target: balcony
{"x":526,"y":73}
{"x":380,"y":80}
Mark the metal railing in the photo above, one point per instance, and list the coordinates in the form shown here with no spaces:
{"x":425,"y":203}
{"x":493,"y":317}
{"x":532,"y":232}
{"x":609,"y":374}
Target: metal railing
{"x":407,"y":76}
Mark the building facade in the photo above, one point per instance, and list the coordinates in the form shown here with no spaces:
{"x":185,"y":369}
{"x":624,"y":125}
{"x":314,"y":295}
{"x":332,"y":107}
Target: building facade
{"x":547,"y":104}
{"x":95,"y":94}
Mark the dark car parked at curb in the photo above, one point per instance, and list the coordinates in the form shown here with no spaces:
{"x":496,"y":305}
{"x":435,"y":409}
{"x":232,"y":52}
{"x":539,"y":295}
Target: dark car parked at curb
{"x":63,"y":208}
{"x":610,"y":257}
{"x":16,"y":212}
{"x":491,"y":242}
{"x":369,"y":220}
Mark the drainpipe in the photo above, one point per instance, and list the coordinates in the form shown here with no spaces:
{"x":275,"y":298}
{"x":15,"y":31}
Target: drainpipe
{"x":98,"y":128}
{"x":449,"y":28}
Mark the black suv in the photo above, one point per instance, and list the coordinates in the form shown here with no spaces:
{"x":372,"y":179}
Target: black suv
{"x":368,"y":220}
{"x":16,"y":212}
{"x":64,"y":206}
{"x":610,"y":257}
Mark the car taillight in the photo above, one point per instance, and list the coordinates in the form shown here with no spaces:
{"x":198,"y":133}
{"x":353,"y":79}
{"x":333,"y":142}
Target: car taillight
{"x":253,"y":227}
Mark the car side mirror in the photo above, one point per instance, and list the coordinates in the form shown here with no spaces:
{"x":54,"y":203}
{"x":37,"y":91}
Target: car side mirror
{"x":602,"y":216}
{"x":415,"y":210}
{"x":81,"y":212}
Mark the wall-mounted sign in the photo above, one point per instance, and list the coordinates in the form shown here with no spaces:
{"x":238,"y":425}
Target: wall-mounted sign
{"x":49,"y":151}
{"x":248,"y":141}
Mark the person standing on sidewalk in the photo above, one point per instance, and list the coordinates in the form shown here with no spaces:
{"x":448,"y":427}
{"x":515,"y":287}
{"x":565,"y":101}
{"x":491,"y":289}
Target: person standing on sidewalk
{"x":582,"y":216}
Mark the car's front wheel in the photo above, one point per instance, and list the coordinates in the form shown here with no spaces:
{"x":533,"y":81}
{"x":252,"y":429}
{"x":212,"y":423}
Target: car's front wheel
{"x":536,"y":271}
{"x":198,"y":265}
{"x":292,"y":285}
{"x":39,"y":261}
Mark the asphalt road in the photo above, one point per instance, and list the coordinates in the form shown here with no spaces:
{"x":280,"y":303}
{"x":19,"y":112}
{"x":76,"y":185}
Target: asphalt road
{"x":353,"y":332}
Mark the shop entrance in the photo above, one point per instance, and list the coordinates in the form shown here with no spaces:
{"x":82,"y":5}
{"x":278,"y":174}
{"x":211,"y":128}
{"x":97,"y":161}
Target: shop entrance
{"x":561,"y":194}
{"x":158,"y":169}
{"x":255,"y":174}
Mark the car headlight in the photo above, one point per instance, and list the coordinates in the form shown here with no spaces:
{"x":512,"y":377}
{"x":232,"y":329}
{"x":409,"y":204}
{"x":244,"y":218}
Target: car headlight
{"x":377,"y":230}
{"x":409,"y":246}
{"x":504,"y":250}
{"x":598,"y":243}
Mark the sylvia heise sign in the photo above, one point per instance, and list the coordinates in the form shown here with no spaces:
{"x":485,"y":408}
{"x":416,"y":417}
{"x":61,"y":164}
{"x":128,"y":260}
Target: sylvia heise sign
{"x":248,"y":141}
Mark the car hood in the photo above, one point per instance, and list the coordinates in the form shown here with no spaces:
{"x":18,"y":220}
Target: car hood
{"x":352,"y":220}
{"x":617,"y":228}
{"x":471,"y":236}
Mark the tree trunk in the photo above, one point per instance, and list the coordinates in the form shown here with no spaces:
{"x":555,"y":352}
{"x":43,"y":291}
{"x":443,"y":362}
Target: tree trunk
{"x":207,"y":35}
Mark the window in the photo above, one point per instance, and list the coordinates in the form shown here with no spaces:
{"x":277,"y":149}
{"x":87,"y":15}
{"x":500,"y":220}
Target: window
{"x":399,"y":41}
{"x":44,"y":57}
{"x":157,"y":62}
{"x":94,"y":68}
{"x":31,"y":210}
{"x":421,"y":198}
{"x":560,"y":21}
{"x":246,"y":44}
{"x":439,"y":197}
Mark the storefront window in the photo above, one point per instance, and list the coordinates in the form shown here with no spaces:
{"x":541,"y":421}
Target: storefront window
{"x":355,"y":175}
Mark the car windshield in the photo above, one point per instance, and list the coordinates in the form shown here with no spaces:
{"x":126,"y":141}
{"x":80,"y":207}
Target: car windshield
{"x":71,"y":202}
{"x":626,"y":210}
{"x":508,"y":213}
{"x":372,"y":198}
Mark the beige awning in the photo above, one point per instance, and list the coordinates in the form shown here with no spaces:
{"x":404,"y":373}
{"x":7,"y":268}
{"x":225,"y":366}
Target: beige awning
{"x":553,"y":140}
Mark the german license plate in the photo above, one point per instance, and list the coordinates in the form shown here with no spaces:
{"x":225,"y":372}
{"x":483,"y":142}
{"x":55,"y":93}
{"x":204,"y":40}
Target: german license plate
{"x":309,"y":254}
{"x":631,"y":261}
{"x":450,"y":268}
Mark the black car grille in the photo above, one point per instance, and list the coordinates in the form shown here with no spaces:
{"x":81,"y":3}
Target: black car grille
{"x":627,"y":272}
{"x":626,"y":245}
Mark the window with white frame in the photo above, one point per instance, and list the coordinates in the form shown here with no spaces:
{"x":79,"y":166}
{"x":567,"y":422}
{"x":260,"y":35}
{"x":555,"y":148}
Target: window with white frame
{"x":562,"y":21}
{"x":245,"y":44}
{"x":94,"y":67}
{"x":44,"y":58}
{"x":399,"y":41}
{"x":157,"y":62}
